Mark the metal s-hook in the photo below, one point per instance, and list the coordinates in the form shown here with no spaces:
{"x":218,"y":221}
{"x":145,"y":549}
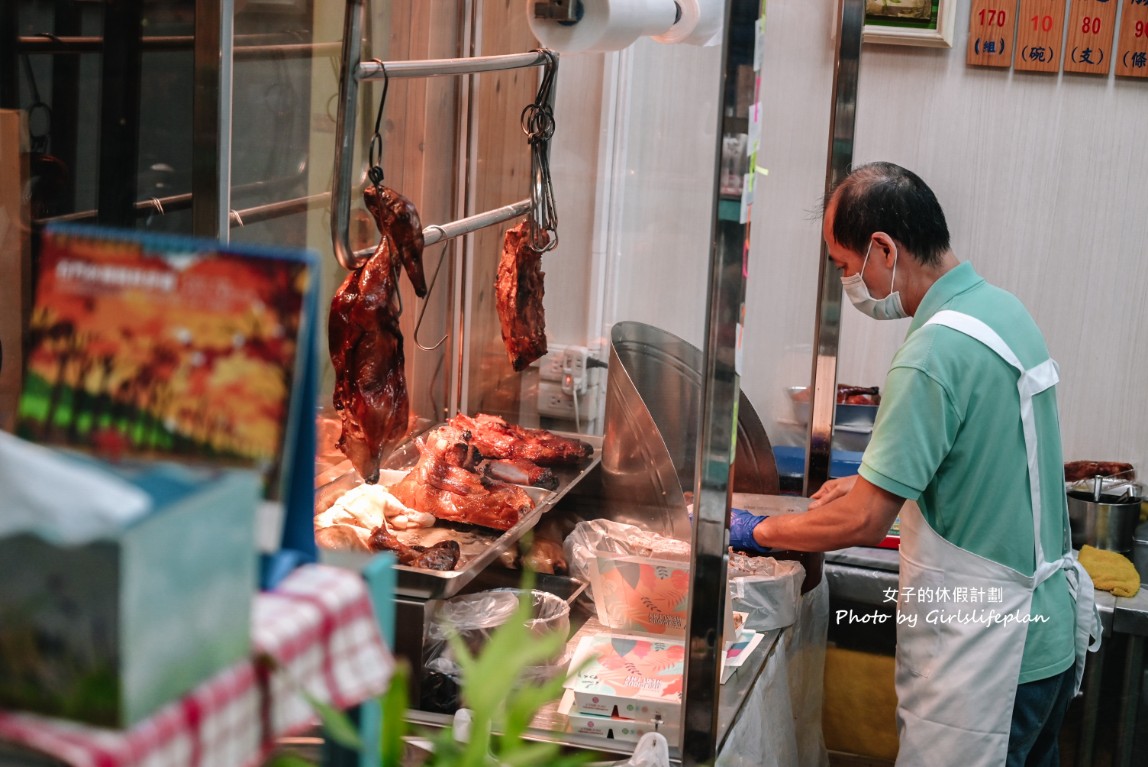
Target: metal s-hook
{"x":375,"y":150}
{"x":537,"y":122}
{"x":430,"y":289}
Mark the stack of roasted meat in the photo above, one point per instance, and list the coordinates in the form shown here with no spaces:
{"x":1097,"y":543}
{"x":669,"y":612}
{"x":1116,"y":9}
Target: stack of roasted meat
{"x":470,"y":470}
{"x":363,"y":326}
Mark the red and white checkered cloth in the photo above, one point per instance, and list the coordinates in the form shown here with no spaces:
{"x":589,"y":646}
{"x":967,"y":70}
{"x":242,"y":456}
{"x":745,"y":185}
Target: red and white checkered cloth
{"x":320,"y":632}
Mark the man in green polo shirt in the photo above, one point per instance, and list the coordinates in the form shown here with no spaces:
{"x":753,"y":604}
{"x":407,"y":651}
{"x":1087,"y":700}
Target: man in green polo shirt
{"x":988,"y":650}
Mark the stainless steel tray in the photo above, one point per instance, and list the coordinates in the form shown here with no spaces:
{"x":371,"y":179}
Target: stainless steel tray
{"x":480,"y":546}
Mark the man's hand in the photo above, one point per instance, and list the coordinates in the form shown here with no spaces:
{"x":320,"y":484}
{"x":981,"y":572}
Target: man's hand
{"x":832,"y":490}
{"x":741,"y":525}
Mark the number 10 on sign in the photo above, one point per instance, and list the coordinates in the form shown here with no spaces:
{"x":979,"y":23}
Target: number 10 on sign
{"x":1040,"y":35}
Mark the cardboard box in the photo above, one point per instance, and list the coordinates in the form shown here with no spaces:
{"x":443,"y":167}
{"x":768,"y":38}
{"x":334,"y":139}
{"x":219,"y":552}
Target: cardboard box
{"x":15,"y":264}
{"x":611,"y":727}
{"x":641,"y":594}
{"x":630,"y":676}
{"x":644,"y":594}
{"x":109,"y":631}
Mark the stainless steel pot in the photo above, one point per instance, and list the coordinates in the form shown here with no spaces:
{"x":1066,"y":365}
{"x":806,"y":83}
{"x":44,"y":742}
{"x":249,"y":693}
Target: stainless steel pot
{"x":1106,"y":523}
{"x":1140,"y":549}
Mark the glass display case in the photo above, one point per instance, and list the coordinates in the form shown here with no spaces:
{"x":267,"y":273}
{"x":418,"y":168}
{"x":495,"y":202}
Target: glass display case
{"x":259,"y":120}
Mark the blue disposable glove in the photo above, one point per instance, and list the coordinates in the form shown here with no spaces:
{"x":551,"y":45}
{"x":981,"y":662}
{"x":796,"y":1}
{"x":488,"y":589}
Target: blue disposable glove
{"x":741,"y":525}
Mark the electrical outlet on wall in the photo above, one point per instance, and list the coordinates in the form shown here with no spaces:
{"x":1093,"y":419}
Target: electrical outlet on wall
{"x":566,"y":372}
{"x":575,"y":372}
{"x":554,"y":402}
{"x":550,"y":365}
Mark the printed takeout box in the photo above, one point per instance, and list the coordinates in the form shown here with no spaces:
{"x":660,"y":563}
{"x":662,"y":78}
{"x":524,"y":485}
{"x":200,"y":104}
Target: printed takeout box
{"x":632,"y":677}
{"x":610,"y":727}
{"x":108,"y":630}
{"x":641,"y":594}
{"x":633,"y":593}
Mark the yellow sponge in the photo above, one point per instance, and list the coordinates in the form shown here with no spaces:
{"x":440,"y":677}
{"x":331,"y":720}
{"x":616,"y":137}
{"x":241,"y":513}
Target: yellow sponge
{"x":1110,"y":571}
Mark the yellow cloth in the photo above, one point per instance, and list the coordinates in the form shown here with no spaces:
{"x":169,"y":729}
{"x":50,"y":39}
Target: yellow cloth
{"x":859,"y":710}
{"x":1110,"y":571}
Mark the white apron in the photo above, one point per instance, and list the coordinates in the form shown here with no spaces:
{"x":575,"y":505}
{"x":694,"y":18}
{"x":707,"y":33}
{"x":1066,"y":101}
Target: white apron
{"x":958,"y":666}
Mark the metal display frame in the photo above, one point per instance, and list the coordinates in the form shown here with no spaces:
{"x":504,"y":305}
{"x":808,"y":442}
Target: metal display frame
{"x":214,"y":44}
{"x":704,"y":718}
{"x":827,"y":331}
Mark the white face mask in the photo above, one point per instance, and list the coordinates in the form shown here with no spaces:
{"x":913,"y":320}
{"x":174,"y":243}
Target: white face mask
{"x":887,"y":308}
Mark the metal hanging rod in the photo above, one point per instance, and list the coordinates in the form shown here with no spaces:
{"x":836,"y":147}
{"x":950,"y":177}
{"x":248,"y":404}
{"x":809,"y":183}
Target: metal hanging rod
{"x":432,"y":234}
{"x":272,"y":210}
{"x":247,"y":46}
{"x":352,"y":69}
{"x":439,"y":232}
{"x":373,"y":70}
{"x":162,"y":205}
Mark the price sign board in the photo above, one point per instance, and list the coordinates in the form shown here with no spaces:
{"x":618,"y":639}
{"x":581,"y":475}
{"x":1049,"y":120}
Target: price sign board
{"x":991,"y":27}
{"x":1132,"y":44}
{"x":1091,"y":29}
{"x":1040,"y":35}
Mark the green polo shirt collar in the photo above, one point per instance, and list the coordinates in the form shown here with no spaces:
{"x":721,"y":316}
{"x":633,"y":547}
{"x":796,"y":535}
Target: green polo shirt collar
{"x":951,"y":284}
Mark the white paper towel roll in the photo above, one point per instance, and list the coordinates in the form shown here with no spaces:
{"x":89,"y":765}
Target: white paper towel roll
{"x":604,"y":25}
{"x":700,"y":23}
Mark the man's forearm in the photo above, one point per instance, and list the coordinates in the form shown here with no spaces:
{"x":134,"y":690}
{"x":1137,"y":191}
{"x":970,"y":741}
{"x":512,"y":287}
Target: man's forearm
{"x":860,"y":518}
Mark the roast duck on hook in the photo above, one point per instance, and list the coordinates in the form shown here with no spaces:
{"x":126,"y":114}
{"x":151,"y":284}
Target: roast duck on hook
{"x":364,"y":339}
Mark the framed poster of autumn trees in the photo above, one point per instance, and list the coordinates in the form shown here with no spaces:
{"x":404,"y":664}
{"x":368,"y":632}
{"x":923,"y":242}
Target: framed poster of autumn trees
{"x":156,"y":346}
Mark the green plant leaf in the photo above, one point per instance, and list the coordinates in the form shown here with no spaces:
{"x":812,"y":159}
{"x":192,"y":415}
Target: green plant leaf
{"x":288,"y":760}
{"x":393,"y":710}
{"x":524,"y":705}
{"x":493,"y":687}
{"x":528,"y":754}
{"x":445,"y":751}
{"x":336,"y":724}
{"x":526,"y":701}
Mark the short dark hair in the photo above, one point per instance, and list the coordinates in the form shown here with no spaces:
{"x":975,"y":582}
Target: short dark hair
{"x":883,"y":197}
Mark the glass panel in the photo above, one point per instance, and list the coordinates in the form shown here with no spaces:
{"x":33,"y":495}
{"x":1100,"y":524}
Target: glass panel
{"x":635,"y":160}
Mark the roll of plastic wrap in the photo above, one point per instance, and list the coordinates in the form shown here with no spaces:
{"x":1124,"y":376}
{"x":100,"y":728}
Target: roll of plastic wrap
{"x":603,"y":25}
{"x":700,"y":23}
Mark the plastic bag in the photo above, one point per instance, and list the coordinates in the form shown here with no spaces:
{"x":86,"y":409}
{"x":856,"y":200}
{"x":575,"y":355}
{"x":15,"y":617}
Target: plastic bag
{"x":652,"y":751}
{"x":602,"y":535}
{"x":473,"y":618}
{"x":766,"y":589}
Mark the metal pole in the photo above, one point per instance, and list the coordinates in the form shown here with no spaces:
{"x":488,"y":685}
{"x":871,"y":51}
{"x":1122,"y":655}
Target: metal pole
{"x":246,"y":46}
{"x":373,"y":70}
{"x":120,"y":112}
{"x":211,"y":119}
{"x":440,"y":232}
{"x":718,"y":429}
{"x":828,"y":327}
{"x":345,"y":133}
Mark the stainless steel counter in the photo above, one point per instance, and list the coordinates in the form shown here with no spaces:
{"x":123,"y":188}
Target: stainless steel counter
{"x":866,"y":575}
